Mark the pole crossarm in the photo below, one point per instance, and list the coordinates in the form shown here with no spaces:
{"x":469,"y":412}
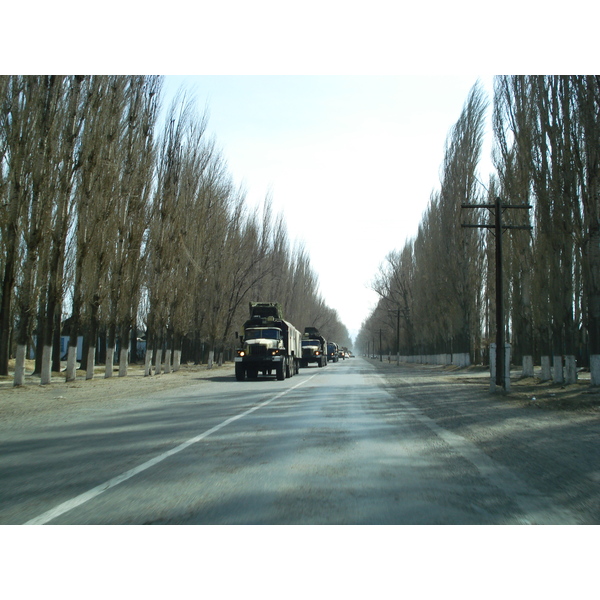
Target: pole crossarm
{"x":504,"y":227}
{"x":490,"y":206}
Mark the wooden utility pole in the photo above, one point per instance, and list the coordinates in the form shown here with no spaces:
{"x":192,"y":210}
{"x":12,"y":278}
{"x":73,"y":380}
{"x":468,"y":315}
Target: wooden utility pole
{"x":498,"y":228}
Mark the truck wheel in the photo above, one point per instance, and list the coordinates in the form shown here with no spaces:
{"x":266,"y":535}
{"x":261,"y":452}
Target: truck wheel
{"x":288,"y":369}
{"x":240,"y":372}
{"x":279,"y":371}
{"x":320,"y":363}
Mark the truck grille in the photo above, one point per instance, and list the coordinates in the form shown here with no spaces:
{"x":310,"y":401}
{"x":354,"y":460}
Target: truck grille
{"x":258,"y":350}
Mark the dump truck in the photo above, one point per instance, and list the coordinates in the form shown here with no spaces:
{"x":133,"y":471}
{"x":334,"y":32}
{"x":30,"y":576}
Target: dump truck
{"x":314,"y":348}
{"x":268,"y":344}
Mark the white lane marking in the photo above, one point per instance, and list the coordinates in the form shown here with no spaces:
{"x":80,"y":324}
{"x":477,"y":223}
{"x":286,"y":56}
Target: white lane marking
{"x":89,"y":495}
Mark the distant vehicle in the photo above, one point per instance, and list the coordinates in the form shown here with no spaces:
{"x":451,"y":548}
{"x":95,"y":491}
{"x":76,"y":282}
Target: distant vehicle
{"x":314,"y":348}
{"x":268,"y":344}
{"x":332,"y":352}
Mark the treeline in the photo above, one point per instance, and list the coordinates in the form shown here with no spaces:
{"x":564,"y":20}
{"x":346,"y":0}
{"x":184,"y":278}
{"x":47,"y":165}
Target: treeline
{"x":120,"y":219}
{"x":546,"y":154}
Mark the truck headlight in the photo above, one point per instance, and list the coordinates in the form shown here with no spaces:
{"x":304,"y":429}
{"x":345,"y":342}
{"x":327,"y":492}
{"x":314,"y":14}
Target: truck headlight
{"x":241,"y":353}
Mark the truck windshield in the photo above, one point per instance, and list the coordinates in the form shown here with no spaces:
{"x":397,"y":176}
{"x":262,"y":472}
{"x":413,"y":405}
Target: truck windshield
{"x":310,"y":343}
{"x":272,"y":334}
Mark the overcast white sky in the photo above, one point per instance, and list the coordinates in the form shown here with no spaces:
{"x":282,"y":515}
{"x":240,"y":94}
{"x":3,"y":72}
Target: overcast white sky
{"x":351,"y":161}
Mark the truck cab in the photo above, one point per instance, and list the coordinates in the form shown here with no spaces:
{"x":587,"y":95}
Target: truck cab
{"x":260,"y":341}
{"x":314,"y":350}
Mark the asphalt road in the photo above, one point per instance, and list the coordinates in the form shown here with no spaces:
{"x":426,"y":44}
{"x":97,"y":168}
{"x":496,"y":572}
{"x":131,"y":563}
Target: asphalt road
{"x":331,"y":445}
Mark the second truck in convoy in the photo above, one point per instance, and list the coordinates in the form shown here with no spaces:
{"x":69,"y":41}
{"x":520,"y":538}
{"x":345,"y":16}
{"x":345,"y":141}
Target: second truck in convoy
{"x":269,"y":344}
{"x":314,"y":348}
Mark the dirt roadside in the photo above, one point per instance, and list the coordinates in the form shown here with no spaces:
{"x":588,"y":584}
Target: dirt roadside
{"x":525,"y":392}
{"x":32,"y":400}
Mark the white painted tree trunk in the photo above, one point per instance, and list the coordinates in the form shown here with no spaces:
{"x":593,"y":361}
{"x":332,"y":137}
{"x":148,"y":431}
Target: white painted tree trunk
{"x":220,"y":359}
{"x":110,"y":357}
{"x":557,"y":370}
{"x":89,"y":374}
{"x":528,"y":366}
{"x":211,"y":359}
{"x":546,"y":374}
{"x":19,"y":378}
{"x":176,"y":360}
{"x":46,"y":365}
{"x":123,"y":362}
{"x":71,"y":363}
{"x":148,"y":363}
{"x":570,"y":369}
{"x":595,"y":369}
{"x":168,"y":360}
{"x":157,"y":362}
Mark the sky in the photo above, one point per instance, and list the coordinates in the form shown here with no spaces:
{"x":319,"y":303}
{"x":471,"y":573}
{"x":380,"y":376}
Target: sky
{"x":350,"y":161}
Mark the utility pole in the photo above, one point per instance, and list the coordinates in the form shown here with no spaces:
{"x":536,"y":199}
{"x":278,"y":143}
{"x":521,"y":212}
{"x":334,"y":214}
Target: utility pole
{"x":498,"y":228}
{"x":396,"y":313}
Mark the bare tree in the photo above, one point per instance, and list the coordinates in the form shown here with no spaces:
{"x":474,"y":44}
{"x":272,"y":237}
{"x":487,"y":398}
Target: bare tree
{"x":44,"y":96}
{"x":132,"y":214}
{"x":96,"y":224}
{"x":18,"y":110}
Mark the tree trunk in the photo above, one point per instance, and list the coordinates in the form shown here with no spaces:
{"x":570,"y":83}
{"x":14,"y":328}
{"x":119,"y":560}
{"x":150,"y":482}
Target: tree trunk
{"x":546,"y":372}
{"x":91,"y":360}
{"x":19,"y":377}
{"x":527,"y":366}
{"x":148,"y":361}
{"x":177,"y":343}
{"x":71,"y":372}
{"x":109,"y":363}
{"x":157,"y":362}
{"x":123,"y":362}
{"x":176,"y":360}
{"x":124,"y":352}
{"x":46,"y":369}
{"x":557,"y":369}
{"x":56,"y":346}
{"x":110,"y":351}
